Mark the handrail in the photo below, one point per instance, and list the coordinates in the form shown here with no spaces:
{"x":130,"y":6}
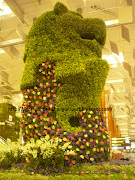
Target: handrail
{"x":3,"y":140}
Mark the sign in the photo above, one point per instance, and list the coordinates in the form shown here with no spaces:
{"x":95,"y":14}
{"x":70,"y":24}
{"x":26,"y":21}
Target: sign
{"x":2,"y":123}
{"x":9,"y":123}
{"x":10,"y":117}
{"x":121,"y":143}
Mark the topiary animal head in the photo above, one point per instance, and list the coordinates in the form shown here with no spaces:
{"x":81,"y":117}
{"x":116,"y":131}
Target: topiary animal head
{"x":59,"y":33}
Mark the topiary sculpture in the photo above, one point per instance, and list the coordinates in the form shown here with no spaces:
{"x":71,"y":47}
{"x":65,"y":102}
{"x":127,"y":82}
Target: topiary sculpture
{"x":62,"y":83}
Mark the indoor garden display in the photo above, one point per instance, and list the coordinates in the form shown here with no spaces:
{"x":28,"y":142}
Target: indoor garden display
{"x":62,"y":84}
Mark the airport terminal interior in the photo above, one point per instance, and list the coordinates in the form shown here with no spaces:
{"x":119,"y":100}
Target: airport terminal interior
{"x":118,"y":95}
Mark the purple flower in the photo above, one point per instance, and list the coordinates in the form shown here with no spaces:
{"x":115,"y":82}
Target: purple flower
{"x":61,"y":136}
{"x":80,"y":152}
{"x":86,"y":157}
{"x":52,"y":131}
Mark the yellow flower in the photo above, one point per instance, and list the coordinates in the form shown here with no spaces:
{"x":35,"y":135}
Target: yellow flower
{"x":82,"y":156}
{"x":94,"y":149}
{"x":92,"y":159}
{"x":85,"y":135}
{"x":69,"y":147}
{"x":96,"y":126}
{"x":101,"y":149}
{"x":87,"y":152}
{"x":64,"y":139}
{"x":89,"y":125}
{"x":87,"y":144}
{"x":90,"y":131}
{"x":89,"y":116}
{"x":96,"y":141}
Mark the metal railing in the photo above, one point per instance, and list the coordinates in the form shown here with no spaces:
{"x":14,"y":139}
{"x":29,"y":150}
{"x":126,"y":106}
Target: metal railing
{"x":2,"y":140}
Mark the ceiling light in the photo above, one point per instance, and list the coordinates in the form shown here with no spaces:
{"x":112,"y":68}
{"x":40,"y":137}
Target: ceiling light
{"x":2,"y":51}
{"x":121,"y":116}
{"x":114,"y":58}
{"x":111,"y":22}
{"x":114,"y":81}
{"x":4,"y":9}
{"x":118,"y":104}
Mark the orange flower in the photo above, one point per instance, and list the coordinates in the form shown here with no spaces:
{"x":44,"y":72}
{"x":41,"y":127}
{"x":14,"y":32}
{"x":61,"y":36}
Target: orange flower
{"x":41,"y":117}
{"x":82,"y":147}
{"x":95,"y":131}
{"x":72,"y":138}
{"x":45,"y":131}
{"x":45,"y":115}
{"x":80,"y":113}
{"x":85,"y":120}
{"x":52,"y":137}
{"x":43,"y":77}
{"x":32,"y":126}
{"x":83,"y":130}
{"x":76,"y":133}
{"x":66,"y":157}
{"x":39,"y":103}
{"x":98,"y":150}
{"x":91,"y":140}
{"x":93,"y":119}
{"x":73,"y":161}
{"x":27,"y":160}
{"x":41,"y":122}
{"x":77,"y":143}
{"x":67,"y":140}
{"x":102,"y":142}
{"x":36,"y":131}
{"x":103,"y":119}
{"x":44,"y":92}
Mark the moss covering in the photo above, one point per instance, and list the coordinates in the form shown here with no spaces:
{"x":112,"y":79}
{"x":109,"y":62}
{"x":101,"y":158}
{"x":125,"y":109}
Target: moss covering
{"x":64,"y":76}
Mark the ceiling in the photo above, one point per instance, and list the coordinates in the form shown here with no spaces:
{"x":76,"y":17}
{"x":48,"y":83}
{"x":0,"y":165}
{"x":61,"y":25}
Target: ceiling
{"x":119,"y":50}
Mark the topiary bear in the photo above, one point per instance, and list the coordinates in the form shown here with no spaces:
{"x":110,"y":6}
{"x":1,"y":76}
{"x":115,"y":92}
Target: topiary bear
{"x":63,"y":80}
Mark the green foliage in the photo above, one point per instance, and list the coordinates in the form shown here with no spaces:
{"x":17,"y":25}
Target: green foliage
{"x":59,"y":35}
{"x":63,"y":78}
